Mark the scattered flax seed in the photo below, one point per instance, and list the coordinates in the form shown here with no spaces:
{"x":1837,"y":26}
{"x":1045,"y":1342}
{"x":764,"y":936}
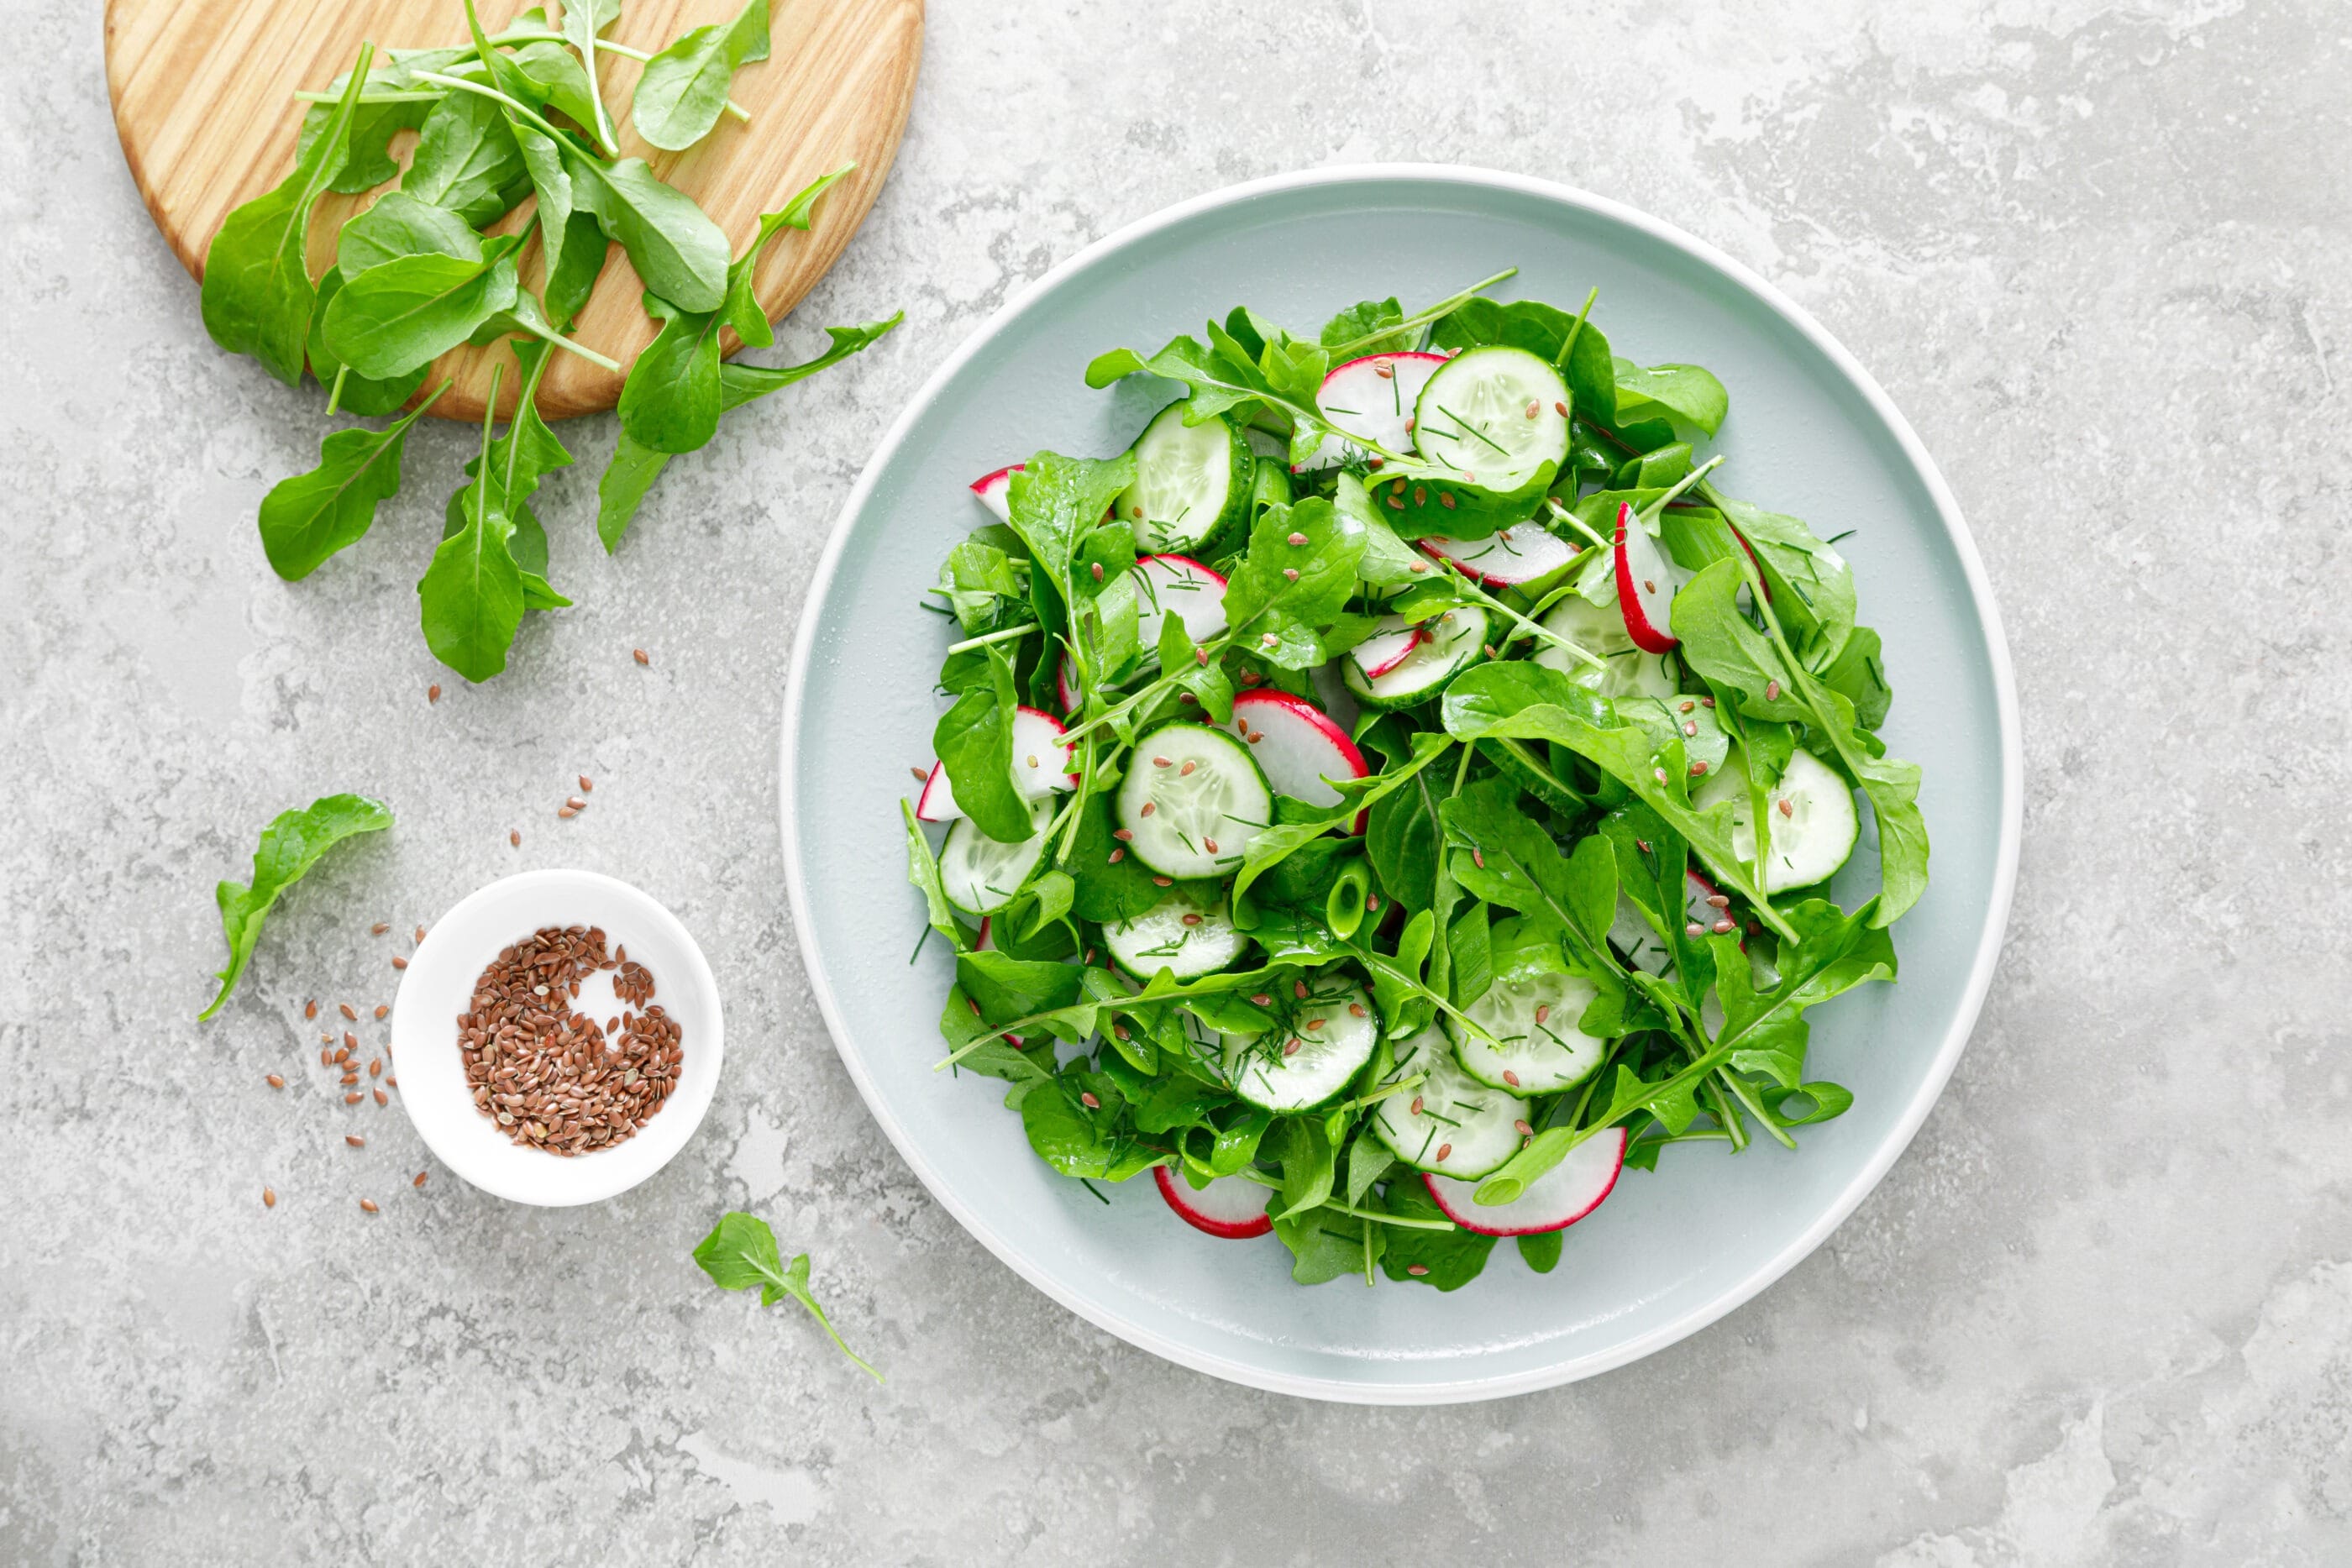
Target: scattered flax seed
{"x":1706,"y":702}
{"x":1290,"y":1046}
{"x":577,"y":804}
{"x":1314,"y":1024}
{"x":1417,"y":1269}
{"x":1086,"y":1098}
{"x":420,"y":1179}
{"x":381,"y":1008}
{"x":1372,"y":902}
{"x":1786,"y":809}
{"x":1201,"y":657}
{"x":352,"y":1098}
{"x":1416,"y":1104}
{"x":1420,"y":494}
{"x":1771,"y":690}
{"x":392,"y":1082}
{"x":514,"y":837}
{"x":381,"y":1098}
{"x":1191,"y":920}
{"x":341,"y":1056}
{"x":550,"y":1076}
{"x":1124,"y":835}
{"x":1096,"y":568}
{"x":1163,"y":882}
{"x":1478,"y":858}
{"x":1160,"y":762}
{"x":1297,"y":540}
{"x":1693,"y":929}
{"x":379,"y":928}
{"x":1298,"y":989}
{"x":1418,"y":568}
{"x":1522,"y":1129}
{"x":1186,"y":769}
{"x":1724,"y":927}
{"x":974,"y":1005}
{"x":351,"y":1040}
{"x":399,"y":962}
{"x":566,"y":812}
{"x":1560,"y":409}
{"x":1149,"y":807}
{"x":1543,"y":1011}
{"x":1659,"y":774}
{"x":1445,"y":499}
{"x":921,"y":775}
{"x":1699,"y":769}
{"x":326,"y":1057}
{"x":369,"y":1205}
{"x":1649,"y":587}
{"x":276,"y":1081}
{"x":1209,"y":844}
{"x":1262,"y":1000}
{"x":1290,"y":572}
{"x":311,"y":1009}
{"x":1684,"y":708}
{"x":1643,"y":845}
{"x":1510,"y":1078}
{"x":1444,"y":1150}
{"x":432,"y":694}
{"x":1690,"y":726}
{"x":354,"y":1140}
{"x":270,"y":1198}
{"x":1720,"y":901}
{"x":349,"y":1011}
{"x":1116,"y":856}
{"x":375,"y":1068}
{"x":1534,"y":408}
{"x":1396,"y":501}
{"x":640,"y":655}
{"x":1384,"y":369}
{"x":1250,"y":677}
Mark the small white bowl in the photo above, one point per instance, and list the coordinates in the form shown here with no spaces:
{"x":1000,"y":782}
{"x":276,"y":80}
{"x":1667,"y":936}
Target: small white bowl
{"x":439,"y":986}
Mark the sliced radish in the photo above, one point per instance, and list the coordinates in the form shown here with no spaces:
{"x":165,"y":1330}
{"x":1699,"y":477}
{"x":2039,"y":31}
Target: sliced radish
{"x":1371,"y":399}
{"x":1177,"y":584}
{"x":1646,"y":581}
{"x":1520,"y":553}
{"x":1072,"y":698}
{"x":994,"y":491}
{"x":1389,"y":647}
{"x":1299,"y":748}
{"x":1232,"y":1207}
{"x":937,"y":803}
{"x":1036,"y":736}
{"x":1553,"y":1201}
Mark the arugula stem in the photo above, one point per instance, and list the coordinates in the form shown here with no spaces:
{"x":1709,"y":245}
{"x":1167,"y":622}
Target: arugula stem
{"x":1695,"y":476}
{"x":335,"y":392}
{"x":1525,"y":625}
{"x":606,"y":46}
{"x":1568,"y":344}
{"x":781,"y":1284}
{"x":1420,"y":319}
{"x":1250,"y":1173}
{"x":571,"y":345}
{"x":1002,"y":635}
{"x":389,"y":95}
{"x":528,"y":115}
{"x":1579,"y":524}
{"x":482,"y":468}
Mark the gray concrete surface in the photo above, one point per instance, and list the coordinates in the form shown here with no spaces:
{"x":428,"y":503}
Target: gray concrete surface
{"x":2101,"y":1313}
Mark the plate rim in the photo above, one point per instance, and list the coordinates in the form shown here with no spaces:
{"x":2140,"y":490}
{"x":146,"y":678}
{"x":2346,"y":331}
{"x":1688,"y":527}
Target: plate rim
{"x":1947,"y":1051}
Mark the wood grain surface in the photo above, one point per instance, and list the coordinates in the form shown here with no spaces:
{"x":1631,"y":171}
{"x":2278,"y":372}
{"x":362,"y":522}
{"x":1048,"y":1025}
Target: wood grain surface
{"x":203,"y":99}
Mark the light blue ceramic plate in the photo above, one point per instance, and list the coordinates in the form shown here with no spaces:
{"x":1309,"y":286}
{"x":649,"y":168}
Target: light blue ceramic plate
{"x":1810,"y":432}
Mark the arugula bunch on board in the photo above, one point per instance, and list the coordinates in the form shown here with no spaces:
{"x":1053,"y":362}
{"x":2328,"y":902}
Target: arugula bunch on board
{"x":504,"y":119}
{"x":289,"y":847}
{"x":1516,"y":814}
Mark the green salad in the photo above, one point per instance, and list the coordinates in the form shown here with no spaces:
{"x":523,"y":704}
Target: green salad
{"x":1402,"y":789}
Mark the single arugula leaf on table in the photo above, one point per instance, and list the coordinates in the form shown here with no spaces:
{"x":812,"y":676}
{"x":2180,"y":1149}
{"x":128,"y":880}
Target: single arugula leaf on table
{"x":256,"y":295}
{"x":742,"y":307}
{"x":741,"y":1252}
{"x":684,"y":88}
{"x":471,"y":598}
{"x":519,"y":458}
{"x":289,"y":847}
{"x":312,"y":516}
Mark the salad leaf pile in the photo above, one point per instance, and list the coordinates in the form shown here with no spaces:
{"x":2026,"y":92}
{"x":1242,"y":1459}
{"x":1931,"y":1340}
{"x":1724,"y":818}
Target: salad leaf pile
{"x":505,"y":121}
{"x":1608,"y":726}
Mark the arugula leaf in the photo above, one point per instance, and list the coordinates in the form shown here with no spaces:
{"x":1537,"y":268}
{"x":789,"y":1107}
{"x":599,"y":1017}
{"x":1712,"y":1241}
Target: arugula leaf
{"x":1541,"y":1251}
{"x":1270,"y":846}
{"x":1326,"y":1245}
{"x":1082,"y":1140}
{"x":398,"y":224}
{"x":1369,"y":326}
{"x":467,"y":160}
{"x":684,"y":88}
{"x":518,"y":460}
{"x":310,"y":517}
{"x":678,"y":252}
{"x":1578,"y":891}
{"x":573,"y":266}
{"x":1057,"y":501}
{"x":373,"y":125}
{"x":974,"y":740}
{"x":1687,"y":392}
{"x":1283,"y":592}
{"x":1448,"y":1259}
{"x":741,"y":1253}
{"x":543,"y":156}
{"x":471,"y":597}
{"x":1106,"y":892}
{"x":1765,"y":1031}
{"x":353,"y":395}
{"x":289,"y":847}
{"x":671,"y":400}
{"x":414,"y":308}
{"x":1310,"y":1163}
{"x":742,"y":309}
{"x":256,"y":293}
{"x":581,"y":22}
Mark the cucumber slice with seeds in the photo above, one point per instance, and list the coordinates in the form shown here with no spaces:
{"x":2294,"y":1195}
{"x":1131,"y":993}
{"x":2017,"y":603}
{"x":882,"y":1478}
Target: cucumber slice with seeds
{"x":1192,"y":800}
{"x":1456,"y":640}
{"x":1461,"y":1128}
{"x":1497,"y":415}
{"x":1327,"y":1035}
{"x":1188,"y":934}
{"x":1193,"y":484}
{"x":1600,"y":630}
{"x":981,"y":875}
{"x":1814,"y":824}
{"x":1531,"y":1008}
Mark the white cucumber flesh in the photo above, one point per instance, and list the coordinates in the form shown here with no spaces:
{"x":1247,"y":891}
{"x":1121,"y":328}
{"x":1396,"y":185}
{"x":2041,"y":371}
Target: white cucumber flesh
{"x":1177,"y":585}
{"x":1193,"y":800}
{"x":1190,"y":482}
{"x":1496,"y":415}
{"x":1518,"y":554}
{"x":981,"y":875}
{"x":1449,"y":1123}
{"x":1625,"y":670}
{"x":1325,"y":1036}
{"x":1813,"y":825}
{"x":1188,"y":934}
{"x":1453,"y":642}
{"x":1531,"y":1012}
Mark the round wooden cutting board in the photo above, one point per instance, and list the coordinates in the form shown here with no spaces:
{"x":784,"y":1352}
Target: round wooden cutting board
{"x":202,"y":98}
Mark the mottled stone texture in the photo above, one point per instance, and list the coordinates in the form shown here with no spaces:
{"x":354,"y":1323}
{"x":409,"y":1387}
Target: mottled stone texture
{"x":2101,"y":1313}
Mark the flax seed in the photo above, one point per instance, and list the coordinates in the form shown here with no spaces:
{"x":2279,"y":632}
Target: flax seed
{"x":351,"y":1040}
{"x":577,"y":804}
{"x":1787,"y":810}
{"x":352,"y":1098}
{"x":381,"y":1008}
{"x":640,"y":656}
{"x":1086,"y":1098}
{"x":1416,"y":1104}
{"x":1297,"y":540}
{"x":399,"y":962}
{"x":1163,"y":882}
{"x":270,"y":1198}
{"x":587,"y":785}
{"x":1560,"y":409}
{"x":566,"y":812}
{"x":1124,"y":835}
{"x":1209,"y":844}
{"x":1693,"y":929}
{"x":1298,"y":989}
{"x":1262,"y":1000}
{"x":1418,"y":1269}
{"x":420,"y":1179}
{"x":1186,"y":769}
{"x":1355,"y":1009}
{"x":276,"y":1081}
{"x":1699,"y":769}
{"x":348,"y":1012}
{"x":1543,"y":1011}
{"x":1444,"y":1150}
{"x":369,"y":1205}
{"x":1314,"y":1024}
{"x":379,"y":928}
{"x":1771,"y":690}
{"x":375,"y":1068}
{"x":1445,"y":499}
{"x":1149,"y":807}
{"x":354,"y":1140}
{"x":311,"y":1009}
{"x":1510,"y":1078}
{"x":381,"y":1098}
{"x":514,"y":835}
{"x":1116,"y":856}
{"x":432,"y":694}
{"x":1290,"y":1048}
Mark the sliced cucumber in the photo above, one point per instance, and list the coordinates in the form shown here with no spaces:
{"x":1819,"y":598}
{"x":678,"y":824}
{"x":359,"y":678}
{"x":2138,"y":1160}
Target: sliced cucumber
{"x":1531,"y":1007}
{"x":1330,"y":1033}
{"x":1814,"y":824}
{"x":1456,"y":640}
{"x":1600,"y":630}
{"x":1192,"y":800}
{"x":1451,"y":1123}
{"x":982,"y":876}
{"x":1497,"y":415}
{"x":1188,"y":932}
{"x":1193,"y":484}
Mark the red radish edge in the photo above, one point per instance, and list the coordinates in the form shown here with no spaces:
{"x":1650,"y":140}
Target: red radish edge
{"x":993,"y":490}
{"x":1646,"y":636}
{"x":1071,"y":698}
{"x":1336,"y":372}
{"x":1553,"y":1201}
{"x":1184,"y":1201}
{"x":1757,"y":561}
{"x":1414,"y":638}
{"x":1298,"y":710}
{"x":1058,"y":729}
{"x":936,"y":802}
